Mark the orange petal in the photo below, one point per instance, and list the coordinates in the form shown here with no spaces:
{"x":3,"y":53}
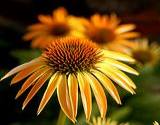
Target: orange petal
{"x":107,"y":83}
{"x":45,"y":19}
{"x":98,"y":92}
{"x":60,"y":14}
{"x":25,"y":72}
{"x":32,"y":35}
{"x":73,"y":92}
{"x":128,"y":35}
{"x":38,"y":26}
{"x":125,"y":28}
{"x":85,"y":94}
{"x":52,"y":85}
{"x":64,"y":99}
{"x":21,"y":67}
{"x":96,"y":20}
{"x":36,"y":87}
{"x":31,"y":80}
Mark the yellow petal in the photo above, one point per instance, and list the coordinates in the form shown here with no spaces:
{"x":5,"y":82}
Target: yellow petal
{"x":31,"y":80}
{"x":125,"y":28}
{"x":123,"y":76}
{"x":40,"y":82}
{"x":85,"y":94}
{"x":98,"y":92}
{"x":118,"y":56}
{"x":121,"y":66}
{"x":73,"y":92}
{"x":116,"y":78}
{"x":107,"y":83}
{"x":25,"y":72}
{"x":64,"y":99}
{"x":52,"y":85}
{"x":21,"y":67}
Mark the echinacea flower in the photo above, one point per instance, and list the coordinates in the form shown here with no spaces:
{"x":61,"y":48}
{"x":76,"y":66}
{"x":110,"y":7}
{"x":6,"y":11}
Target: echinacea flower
{"x":100,"y":121}
{"x":145,"y":54}
{"x":107,"y":32}
{"x":73,"y":62}
{"x":51,"y":27}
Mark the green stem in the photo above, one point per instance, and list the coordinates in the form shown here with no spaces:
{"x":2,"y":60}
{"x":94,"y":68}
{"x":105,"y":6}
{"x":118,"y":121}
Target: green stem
{"x":61,"y":118}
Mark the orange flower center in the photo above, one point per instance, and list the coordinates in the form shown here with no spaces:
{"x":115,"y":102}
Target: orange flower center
{"x":102,"y":35}
{"x":143,"y":56}
{"x":69,"y":55}
{"x":60,"y":29}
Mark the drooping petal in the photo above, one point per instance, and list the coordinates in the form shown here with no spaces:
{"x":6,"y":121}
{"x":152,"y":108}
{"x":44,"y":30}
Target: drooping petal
{"x":85,"y":94}
{"x":40,"y":82}
{"x":124,"y":28}
{"x":73,"y":92}
{"x":31,"y":80}
{"x":98,"y":92}
{"x":116,"y":78}
{"x":123,"y":76}
{"x":26,"y":72}
{"x":118,"y":56}
{"x":121,"y":66}
{"x":52,"y":85}
{"x":21,"y":67}
{"x":64,"y":99}
{"x":107,"y":83}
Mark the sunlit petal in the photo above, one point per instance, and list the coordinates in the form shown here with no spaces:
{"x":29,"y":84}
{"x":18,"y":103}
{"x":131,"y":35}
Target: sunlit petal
{"x":40,"y":82}
{"x":73,"y":92}
{"x":107,"y":83}
{"x":98,"y":92}
{"x":85,"y":94}
{"x":64,"y":99}
{"x":52,"y":85}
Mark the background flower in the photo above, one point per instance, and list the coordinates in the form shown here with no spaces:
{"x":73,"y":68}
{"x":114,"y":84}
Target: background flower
{"x":109,"y":33}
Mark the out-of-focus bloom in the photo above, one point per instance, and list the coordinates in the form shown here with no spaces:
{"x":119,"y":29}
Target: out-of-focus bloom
{"x":50,"y":27}
{"x":73,"y":62}
{"x":146,"y":54}
{"x":108,"y":33}
{"x":100,"y":121}
{"x":155,"y":123}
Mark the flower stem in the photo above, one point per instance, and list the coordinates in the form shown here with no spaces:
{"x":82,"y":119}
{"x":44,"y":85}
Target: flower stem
{"x":61,"y":118}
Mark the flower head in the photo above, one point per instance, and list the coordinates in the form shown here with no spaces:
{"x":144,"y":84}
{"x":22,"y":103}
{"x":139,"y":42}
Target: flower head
{"x":73,"y":62}
{"x":108,"y":33}
{"x":146,"y":54}
{"x":100,"y":121}
{"x":59,"y":24}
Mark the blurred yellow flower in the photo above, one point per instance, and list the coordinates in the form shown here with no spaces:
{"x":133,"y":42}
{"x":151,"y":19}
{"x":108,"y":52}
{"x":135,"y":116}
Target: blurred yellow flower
{"x":155,"y":123}
{"x":50,"y":27}
{"x":73,"y":62}
{"x":146,"y":54}
{"x":107,"y":32}
{"x":100,"y":121}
